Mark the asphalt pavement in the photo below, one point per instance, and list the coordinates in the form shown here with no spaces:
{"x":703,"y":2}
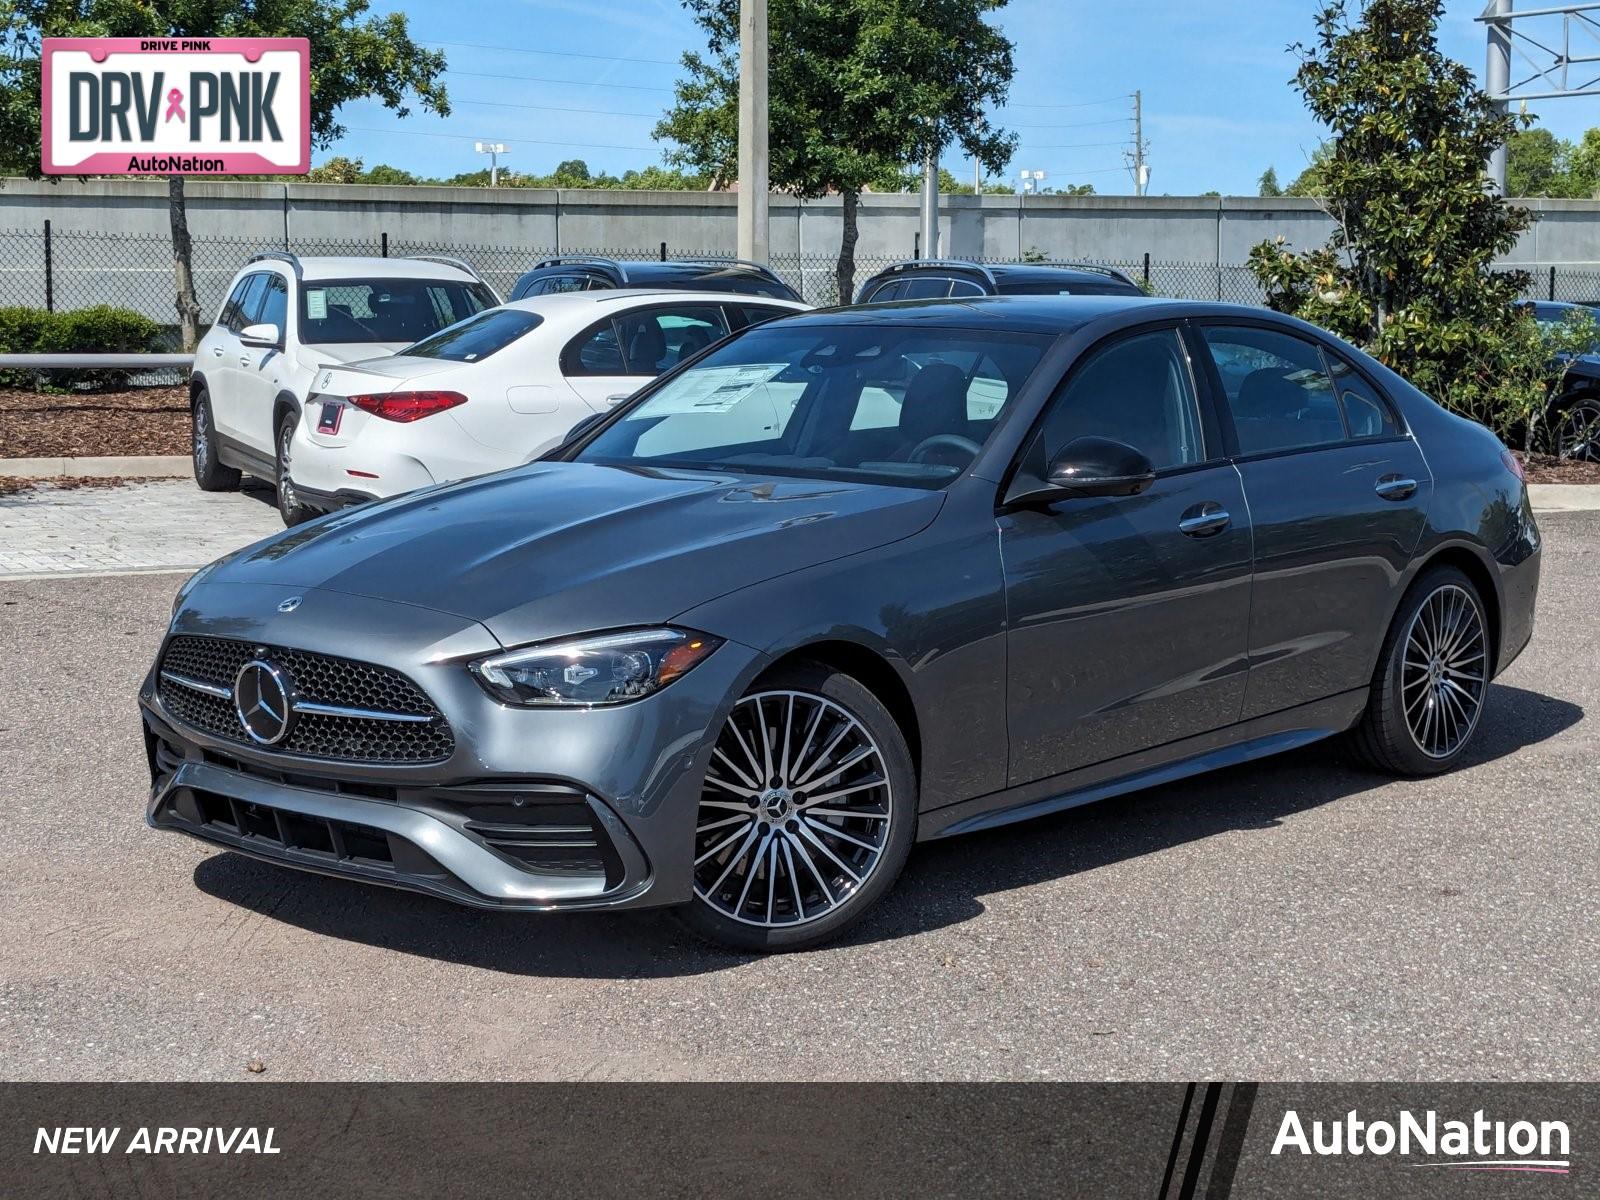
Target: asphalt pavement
{"x":1291,"y":919}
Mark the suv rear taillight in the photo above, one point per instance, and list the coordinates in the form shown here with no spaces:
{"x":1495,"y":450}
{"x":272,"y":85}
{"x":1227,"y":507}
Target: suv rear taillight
{"x":407,"y":406}
{"x":1513,"y":464}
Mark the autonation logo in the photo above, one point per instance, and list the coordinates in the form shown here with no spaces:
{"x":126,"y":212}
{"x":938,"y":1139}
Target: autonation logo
{"x":1476,"y":1145}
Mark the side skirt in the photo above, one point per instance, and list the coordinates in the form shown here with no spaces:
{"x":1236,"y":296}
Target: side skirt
{"x":1225,"y":747}
{"x":236,"y":454}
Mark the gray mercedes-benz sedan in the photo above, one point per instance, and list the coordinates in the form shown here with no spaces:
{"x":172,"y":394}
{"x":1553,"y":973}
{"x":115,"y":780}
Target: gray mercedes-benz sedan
{"x":848,"y":580}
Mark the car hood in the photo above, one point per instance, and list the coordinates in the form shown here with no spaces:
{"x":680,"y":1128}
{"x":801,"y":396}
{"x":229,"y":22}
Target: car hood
{"x":552,"y":549}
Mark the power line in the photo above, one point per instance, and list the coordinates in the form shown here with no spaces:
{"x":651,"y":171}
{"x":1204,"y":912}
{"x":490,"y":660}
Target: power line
{"x":461,"y":137}
{"x":1072,"y":124}
{"x":599,"y":112}
{"x":1028,"y":146}
{"x":664,"y":62}
{"x":632,"y":87}
{"x":1076,"y":104}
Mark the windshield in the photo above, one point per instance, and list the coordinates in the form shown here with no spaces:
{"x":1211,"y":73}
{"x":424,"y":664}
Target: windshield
{"x":385,"y":310}
{"x":885,"y":403}
{"x":476,"y":338}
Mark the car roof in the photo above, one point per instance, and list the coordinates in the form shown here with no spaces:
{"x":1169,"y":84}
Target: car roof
{"x":1027,"y":314}
{"x":591,"y":301}
{"x":355,"y":266}
{"x":1005,"y":273}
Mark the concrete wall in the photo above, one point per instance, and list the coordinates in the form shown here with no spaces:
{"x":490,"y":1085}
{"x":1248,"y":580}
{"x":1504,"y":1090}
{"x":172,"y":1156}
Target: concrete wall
{"x":111,"y":234}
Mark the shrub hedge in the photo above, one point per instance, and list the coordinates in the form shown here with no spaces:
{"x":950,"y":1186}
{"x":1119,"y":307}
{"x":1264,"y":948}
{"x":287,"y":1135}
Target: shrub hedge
{"x":98,"y":330}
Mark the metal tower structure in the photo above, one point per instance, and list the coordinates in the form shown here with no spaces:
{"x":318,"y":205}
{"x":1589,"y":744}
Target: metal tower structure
{"x":1556,"y":51}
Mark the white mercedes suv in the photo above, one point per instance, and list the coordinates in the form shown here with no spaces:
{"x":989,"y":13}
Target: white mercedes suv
{"x":504,"y":386}
{"x":285,"y":319}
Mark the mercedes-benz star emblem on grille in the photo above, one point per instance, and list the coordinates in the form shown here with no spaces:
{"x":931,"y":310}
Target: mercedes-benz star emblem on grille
{"x":289,"y":605}
{"x":263,"y":696}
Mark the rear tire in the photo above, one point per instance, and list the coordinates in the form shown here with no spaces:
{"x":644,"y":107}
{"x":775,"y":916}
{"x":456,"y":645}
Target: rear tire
{"x":1578,"y":430}
{"x":209,"y":471}
{"x":1432,"y":680}
{"x":290,"y":508}
{"x":778,"y":869}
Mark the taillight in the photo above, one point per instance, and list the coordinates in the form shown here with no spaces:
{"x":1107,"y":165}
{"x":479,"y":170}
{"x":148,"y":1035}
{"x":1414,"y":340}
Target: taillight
{"x":1513,"y":464}
{"x":407,"y":406}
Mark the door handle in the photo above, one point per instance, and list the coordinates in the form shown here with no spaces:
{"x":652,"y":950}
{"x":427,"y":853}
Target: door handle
{"x":244,"y":360}
{"x":1395,"y":487}
{"x":1203,"y":520}
{"x":216,"y":351}
{"x":613,"y":401}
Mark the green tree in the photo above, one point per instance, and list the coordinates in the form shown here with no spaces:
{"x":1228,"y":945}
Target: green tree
{"x":1267,"y":185}
{"x":1408,"y":272}
{"x":1536,"y":163}
{"x":354,"y":56}
{"x":857,"y":88}
{"x":338,"y":169}
{"x":384,"y":174}
{"x":1310,"y":181}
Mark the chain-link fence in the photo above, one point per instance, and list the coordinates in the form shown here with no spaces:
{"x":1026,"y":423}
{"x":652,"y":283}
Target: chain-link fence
{"x":68,"y":270}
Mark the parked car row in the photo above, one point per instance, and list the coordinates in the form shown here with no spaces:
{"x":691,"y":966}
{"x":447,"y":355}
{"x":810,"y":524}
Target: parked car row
{"x":345,"y":380}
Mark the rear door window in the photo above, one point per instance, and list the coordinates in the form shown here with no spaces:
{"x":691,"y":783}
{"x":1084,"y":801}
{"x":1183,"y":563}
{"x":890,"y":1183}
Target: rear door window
{"x":1366,"y":413}
{"x":1277,"y":389}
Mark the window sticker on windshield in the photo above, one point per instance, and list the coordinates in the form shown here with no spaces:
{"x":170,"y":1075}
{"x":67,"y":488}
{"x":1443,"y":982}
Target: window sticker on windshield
{"x":711,"y":389}
{"x":316,"y":304}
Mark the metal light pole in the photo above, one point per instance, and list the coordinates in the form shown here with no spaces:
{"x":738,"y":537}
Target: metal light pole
{"x":494,"y":150}
{"x":1497,"y":79}
{"x":930,"y":205}
{"x":754,"y":228}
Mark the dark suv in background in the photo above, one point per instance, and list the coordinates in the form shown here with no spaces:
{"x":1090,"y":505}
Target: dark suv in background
{"x":938,"y":278}
{"x":583,"y":272}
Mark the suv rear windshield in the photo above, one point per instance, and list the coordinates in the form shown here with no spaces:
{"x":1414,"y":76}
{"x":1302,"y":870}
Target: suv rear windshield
{"x":476,"y":338}
{"x":385,"y":310}
{"x":1070,"y":287}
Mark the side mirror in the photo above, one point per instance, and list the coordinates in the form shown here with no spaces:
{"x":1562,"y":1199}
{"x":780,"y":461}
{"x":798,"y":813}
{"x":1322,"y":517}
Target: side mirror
{"x":266,"y":336}
{"x":572,"y":435}
{"x":1089,"y":466}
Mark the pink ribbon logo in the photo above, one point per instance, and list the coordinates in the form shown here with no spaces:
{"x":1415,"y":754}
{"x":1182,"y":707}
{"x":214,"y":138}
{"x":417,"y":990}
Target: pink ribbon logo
{"x":175,"y":105}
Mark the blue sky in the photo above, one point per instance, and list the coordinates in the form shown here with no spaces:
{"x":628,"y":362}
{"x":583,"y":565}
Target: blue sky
{"x":1214,"y":75}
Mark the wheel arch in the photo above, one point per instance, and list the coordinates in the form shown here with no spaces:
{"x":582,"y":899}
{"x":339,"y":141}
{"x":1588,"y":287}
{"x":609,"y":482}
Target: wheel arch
{"x":873,"y":671}
{"x":1471,"y":563}
{"x":281,"y":403}
{"x":197,"y":383}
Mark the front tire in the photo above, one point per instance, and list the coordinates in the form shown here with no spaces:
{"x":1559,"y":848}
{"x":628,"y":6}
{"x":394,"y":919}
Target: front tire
{"x":1432,"y":680}
{"x":209,"y":472}
{"x":290,"y":508}
{"x":806,"y":815}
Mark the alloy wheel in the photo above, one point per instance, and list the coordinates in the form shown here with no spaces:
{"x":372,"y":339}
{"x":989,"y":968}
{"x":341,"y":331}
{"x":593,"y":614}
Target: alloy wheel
{"x":795,"y":812}
{"x":202,"y":435}
{"x":1579,"y":435}
{"x":287,"y":500}
{"x":1444,"y":671}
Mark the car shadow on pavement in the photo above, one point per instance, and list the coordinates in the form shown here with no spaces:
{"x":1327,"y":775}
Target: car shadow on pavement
{"x":942,"y":885}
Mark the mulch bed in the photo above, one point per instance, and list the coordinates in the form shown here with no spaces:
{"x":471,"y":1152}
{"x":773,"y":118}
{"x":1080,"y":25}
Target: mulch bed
{"x":78,"y":424}
{"x":1544,"y":468}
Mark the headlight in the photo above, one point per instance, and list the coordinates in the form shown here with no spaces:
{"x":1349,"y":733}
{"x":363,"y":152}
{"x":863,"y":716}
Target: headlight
{"x":611,"y":668}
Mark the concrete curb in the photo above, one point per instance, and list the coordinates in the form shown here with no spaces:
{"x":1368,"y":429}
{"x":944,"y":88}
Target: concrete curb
{"x":1564,"y":497}
{"x":149,"y":466}
{"x":1547,"y":497}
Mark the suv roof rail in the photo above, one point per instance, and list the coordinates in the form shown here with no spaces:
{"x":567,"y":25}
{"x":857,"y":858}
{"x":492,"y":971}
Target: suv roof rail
{"x":283,"y":256}
{"x":586,"y":260}
{"x":1097,"y":268}
{"x":961,"y":264}
{"x":459,"y":264}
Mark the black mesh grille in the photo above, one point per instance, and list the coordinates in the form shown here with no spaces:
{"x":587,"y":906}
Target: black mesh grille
{"x":320,"y":679}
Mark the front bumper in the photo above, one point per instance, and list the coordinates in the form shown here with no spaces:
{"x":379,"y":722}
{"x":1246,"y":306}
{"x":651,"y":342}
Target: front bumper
{"x":531,"y":810}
